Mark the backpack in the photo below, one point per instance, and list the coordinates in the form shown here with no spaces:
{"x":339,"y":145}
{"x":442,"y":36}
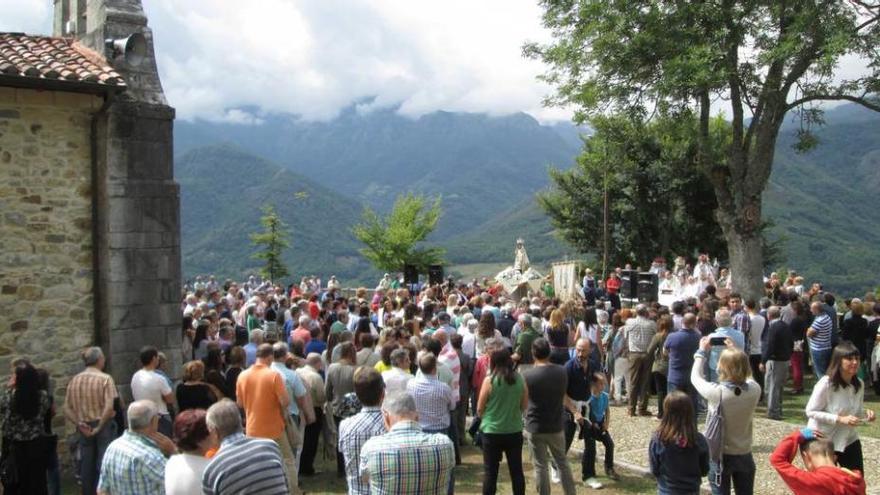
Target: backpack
{"x":715,"y":437}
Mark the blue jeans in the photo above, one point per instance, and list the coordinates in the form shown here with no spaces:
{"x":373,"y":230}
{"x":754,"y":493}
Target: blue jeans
{"x":689,"y":390}
{"x":92,"y":452}
{"x":737,"y":471}
{"x":820,"y":359}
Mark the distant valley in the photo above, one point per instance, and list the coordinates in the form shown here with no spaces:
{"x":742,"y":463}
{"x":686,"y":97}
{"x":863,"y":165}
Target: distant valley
{"x":487,"y":170}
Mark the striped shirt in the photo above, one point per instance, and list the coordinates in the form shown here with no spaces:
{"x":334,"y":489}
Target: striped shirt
{"x":406,"y":461}
{"x":88,"y":395}
{"x":353,"y":433}
{"x":433,"y":400}
{"x":132,"y":465}
{"x":823,"y":326}
{"x":245,"y":465}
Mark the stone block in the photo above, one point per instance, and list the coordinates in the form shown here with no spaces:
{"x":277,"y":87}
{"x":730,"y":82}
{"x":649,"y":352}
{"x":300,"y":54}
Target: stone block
{"x":7,"y":96}
{"x":34,"y":97}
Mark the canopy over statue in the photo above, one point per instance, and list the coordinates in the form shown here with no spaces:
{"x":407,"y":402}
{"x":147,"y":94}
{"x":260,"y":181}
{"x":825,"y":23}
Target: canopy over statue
{"x":517,"y":279}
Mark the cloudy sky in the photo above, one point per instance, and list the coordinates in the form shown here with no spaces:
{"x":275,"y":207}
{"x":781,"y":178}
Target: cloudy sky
{"x":224,"y":62}
{"x":315,"y":57}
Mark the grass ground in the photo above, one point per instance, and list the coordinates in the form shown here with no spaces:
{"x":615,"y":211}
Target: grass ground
{"x":469,"y":478}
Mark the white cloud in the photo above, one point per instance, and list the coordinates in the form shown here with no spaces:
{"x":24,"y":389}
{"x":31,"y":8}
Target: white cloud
{"x":229,"y":60}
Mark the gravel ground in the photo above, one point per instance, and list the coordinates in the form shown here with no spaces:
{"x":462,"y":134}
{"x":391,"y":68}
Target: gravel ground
{"x":632,"y":435}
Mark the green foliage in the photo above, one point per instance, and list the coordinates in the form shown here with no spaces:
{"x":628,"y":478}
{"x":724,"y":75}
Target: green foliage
{"x":272,"y":241}
{"x":660,"y":202}
{"x":761,"y":58}
{"x":393,"y":241}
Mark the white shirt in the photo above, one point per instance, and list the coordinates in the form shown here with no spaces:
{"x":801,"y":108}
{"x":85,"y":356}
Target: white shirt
{"x":395,"y":380}
{"x":757,"y":329}
{"x":183,"y":474}
{"x":149,"y":385}
{"x":826,"y":404}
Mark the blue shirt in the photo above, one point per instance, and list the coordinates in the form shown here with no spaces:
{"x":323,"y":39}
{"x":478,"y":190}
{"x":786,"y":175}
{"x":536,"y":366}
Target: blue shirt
{"x":739,"y":340}
{"x":681,"y":346}
{"x":294,"y":385}
{"x":598,"y":406}
{"x":250,"y":354}
{"x":579,"y":378}
{"x":317,"y":346}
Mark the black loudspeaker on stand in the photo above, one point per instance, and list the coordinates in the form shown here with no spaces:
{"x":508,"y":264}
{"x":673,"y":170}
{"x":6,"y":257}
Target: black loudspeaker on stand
{"x":648,"y":287}
{"x":410,"y":274}
{"x":435,"y":274}
{"x":629,"y":284}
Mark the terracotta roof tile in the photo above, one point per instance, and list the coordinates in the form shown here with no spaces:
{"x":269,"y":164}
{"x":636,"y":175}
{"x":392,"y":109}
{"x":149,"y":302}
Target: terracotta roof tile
{"x":58,"y":59}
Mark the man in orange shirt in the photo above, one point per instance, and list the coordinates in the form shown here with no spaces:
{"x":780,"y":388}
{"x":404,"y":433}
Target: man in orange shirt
{"x":261,"y":393}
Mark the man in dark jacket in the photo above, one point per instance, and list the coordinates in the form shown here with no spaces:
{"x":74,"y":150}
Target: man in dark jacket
{"x":774,"y":361}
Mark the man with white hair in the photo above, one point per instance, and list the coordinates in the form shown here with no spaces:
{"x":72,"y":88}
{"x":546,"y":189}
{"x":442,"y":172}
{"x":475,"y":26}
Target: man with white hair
{"x":242,"y":464}
{"x":398,"y":376}
{"x":135,"y":462}
{"x":88,"y":405}
{"x":405,"y":459}
{"x":311,"y":377}
{"x":725,"y":330}
{"x":639,"y":331}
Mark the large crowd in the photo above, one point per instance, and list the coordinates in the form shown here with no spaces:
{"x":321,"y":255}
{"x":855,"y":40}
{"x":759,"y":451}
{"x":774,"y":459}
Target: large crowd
{"x":393,"y":381}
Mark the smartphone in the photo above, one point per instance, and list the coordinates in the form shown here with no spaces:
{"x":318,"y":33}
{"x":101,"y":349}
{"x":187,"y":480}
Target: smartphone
{"x":718,"y":341}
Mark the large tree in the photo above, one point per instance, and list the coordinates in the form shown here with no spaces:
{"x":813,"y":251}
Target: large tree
{"x":659,"y":202}
{"x":397,"y":240}
{"x":757,"y":60}
{"x":272,"y":242}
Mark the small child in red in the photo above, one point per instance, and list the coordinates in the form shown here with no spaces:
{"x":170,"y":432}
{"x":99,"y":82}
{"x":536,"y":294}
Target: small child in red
{"x":822,"y":476}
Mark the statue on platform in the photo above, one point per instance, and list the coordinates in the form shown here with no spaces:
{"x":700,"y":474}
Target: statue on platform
{"x":517,"y":279}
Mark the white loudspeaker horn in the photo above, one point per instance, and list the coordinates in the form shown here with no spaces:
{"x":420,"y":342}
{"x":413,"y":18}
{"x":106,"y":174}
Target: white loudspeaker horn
{"x":133,"y":48}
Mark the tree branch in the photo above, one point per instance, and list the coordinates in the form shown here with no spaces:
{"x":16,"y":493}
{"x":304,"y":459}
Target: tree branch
{"x":861,"y":100}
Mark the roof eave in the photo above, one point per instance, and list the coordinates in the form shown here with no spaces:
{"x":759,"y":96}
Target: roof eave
{"x":24,"y":82}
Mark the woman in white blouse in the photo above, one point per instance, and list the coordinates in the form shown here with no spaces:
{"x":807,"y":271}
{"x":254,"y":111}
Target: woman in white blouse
{"x":837,"y":406}
{"x":183,"y":472}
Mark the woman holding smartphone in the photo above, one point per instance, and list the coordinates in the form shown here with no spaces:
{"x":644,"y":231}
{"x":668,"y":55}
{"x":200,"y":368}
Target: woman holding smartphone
{"x":837,"y":406}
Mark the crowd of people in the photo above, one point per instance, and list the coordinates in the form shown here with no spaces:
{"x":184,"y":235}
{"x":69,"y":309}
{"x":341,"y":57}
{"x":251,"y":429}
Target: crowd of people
{"x":392,"y":382}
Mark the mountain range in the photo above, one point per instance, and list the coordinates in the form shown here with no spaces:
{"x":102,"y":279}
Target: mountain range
{"x":486,"y":169}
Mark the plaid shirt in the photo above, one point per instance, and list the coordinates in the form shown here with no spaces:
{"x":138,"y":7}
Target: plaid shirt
{"x":639,"y":332}
{"x":434,"y":400}
{"x":405,"y":460}
{"x":353,"y":433}
{"x":133,"y":465}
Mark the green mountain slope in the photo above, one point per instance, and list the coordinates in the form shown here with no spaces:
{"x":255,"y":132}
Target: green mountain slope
{"x":487,"y":169}
{"x":482,"y":166}
{"x":222,"y":191}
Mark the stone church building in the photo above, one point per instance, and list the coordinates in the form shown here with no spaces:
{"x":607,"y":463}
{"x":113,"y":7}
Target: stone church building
{"x":89,"y":210}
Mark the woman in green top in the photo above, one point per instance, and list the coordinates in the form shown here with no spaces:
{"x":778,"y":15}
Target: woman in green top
{"x":503,"y":398}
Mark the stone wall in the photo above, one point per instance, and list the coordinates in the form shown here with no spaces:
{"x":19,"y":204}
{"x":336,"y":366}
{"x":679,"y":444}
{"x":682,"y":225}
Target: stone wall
{"x":46,"y":259}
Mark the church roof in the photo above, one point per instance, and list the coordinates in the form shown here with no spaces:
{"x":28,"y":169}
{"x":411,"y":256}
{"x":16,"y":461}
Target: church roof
{"x":47,"y":62}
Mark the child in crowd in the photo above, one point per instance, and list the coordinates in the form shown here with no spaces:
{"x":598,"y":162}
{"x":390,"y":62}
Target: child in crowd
{"x":679,"y":455}
{"x":596,"y":428}
{"x":822,"y":475}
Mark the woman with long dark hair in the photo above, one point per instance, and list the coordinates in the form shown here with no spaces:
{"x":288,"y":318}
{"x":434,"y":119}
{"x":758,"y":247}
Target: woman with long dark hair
{"x":503,"y":399}
{"x":25,"y":455}
{"x":679,"y":455}
{"x":837,"y":406}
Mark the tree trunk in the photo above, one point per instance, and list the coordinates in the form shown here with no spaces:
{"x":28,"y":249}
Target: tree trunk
{"x":744,"y":250}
